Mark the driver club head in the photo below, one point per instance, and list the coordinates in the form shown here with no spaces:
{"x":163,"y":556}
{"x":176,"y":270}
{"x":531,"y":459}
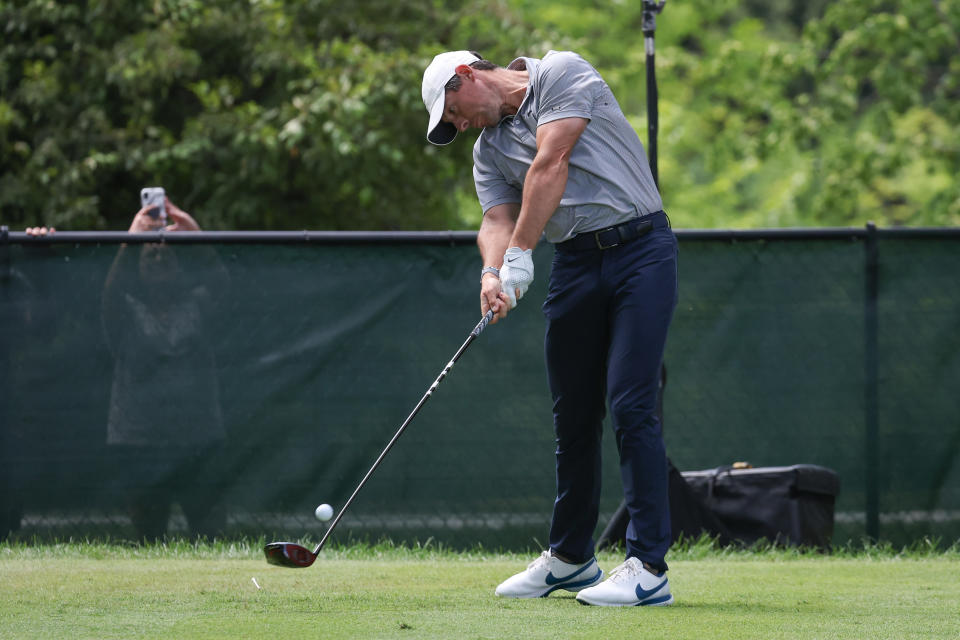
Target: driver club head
{"x":289,"y":554}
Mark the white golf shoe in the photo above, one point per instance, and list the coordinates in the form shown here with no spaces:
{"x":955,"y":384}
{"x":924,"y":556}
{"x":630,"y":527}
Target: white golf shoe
{"x":629,"y":585}
{"x":546,"y":574}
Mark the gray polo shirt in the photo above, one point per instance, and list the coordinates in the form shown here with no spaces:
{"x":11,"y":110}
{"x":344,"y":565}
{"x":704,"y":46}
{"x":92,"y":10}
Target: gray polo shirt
{"x":609,"y":179}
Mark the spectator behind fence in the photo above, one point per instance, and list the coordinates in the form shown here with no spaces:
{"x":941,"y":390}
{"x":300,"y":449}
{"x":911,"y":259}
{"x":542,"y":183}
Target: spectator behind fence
{"x":165,"y":424}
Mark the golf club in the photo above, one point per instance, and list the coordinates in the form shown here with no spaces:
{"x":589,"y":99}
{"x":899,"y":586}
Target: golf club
{"x":290,"y":554}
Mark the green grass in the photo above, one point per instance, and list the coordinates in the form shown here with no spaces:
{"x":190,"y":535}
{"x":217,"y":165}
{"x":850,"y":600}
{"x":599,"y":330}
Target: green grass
{"x":181,"y":590}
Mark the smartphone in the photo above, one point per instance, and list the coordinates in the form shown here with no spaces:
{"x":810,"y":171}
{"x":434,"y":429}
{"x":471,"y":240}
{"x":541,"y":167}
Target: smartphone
{"x":154,"y":197}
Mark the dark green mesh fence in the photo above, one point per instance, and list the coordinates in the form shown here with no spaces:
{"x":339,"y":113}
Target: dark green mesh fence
{"x":240,"y":384}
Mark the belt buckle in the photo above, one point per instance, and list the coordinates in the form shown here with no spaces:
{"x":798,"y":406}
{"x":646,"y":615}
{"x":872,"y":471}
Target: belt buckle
{"x":600,"y":245}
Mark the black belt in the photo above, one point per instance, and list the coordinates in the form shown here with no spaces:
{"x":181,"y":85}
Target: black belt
{"x":616,"y":235}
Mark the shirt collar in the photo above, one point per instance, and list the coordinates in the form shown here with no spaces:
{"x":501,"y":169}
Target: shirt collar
{"x":530,"y":65}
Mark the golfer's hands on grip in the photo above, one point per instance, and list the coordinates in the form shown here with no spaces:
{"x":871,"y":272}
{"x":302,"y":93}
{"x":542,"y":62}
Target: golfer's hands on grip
{"x":516,"y":274}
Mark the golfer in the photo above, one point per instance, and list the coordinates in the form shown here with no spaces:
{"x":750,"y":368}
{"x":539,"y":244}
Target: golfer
{"x":557,"y":156}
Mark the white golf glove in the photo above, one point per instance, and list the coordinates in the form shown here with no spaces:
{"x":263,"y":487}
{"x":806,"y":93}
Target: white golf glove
{"x":516,"y":274}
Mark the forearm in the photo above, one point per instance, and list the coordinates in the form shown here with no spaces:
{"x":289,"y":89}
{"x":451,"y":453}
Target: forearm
{"x":492,"y":240}
{"x":496,"y":230}
{"x":542,"y":191}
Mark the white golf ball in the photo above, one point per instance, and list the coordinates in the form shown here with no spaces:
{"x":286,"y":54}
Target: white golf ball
{"x":324,"y":512}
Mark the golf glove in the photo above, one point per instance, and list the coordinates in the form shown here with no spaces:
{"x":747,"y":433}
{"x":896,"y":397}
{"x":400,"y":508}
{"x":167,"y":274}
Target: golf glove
{"x":516,"y":274}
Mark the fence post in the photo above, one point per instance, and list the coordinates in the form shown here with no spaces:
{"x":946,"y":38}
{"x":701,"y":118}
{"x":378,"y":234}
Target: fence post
{"x":871,"y":396}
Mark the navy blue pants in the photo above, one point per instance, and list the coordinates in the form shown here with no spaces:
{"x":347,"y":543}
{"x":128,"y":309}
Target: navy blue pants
{"x":607,"y":314}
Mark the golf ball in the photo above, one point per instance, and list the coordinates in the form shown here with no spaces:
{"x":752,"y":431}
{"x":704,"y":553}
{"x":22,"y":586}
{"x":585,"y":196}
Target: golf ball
{"x":324,"y":512}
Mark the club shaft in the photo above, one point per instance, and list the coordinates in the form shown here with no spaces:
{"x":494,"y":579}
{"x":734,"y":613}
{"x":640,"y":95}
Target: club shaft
{"x":433,"y":387}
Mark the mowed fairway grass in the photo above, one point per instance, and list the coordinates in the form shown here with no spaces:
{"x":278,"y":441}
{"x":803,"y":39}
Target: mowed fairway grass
{"x":180,"y":590}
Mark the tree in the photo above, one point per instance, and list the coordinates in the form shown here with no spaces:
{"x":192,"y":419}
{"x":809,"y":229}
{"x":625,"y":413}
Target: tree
{"x":292,"y":114}
{"x":264,"y":114}
{"x":789,"y":113}
{"x":882,"y":116}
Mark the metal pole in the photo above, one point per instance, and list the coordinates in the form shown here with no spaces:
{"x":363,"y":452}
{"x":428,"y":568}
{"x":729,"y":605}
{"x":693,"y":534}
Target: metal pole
{"x":871,"y":394}
{"x":650,"y":11}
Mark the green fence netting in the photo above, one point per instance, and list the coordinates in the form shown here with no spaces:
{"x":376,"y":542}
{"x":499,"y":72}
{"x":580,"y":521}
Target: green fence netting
{"x":230,"y":387}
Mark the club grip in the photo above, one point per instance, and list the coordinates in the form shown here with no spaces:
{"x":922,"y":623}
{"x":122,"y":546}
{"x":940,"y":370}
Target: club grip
{"x":484,"y":321}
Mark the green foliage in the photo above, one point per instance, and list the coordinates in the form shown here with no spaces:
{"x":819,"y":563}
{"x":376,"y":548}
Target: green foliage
{"x":259,"y":114}
{"x":288,"y":114}
{"x":883,"y":111}
{"x":790,"y":113}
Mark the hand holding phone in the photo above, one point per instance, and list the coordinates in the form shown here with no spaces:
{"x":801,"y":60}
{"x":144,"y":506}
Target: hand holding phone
{"x":155,"y":198}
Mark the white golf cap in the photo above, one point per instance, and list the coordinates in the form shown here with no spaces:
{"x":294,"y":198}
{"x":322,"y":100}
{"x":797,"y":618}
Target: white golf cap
{"x":435,"y":78}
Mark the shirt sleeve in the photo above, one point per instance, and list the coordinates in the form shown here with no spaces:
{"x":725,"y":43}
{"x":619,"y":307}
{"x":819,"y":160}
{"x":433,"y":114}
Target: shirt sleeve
{"x":568,"y":87}
{"x":492,"y":186}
